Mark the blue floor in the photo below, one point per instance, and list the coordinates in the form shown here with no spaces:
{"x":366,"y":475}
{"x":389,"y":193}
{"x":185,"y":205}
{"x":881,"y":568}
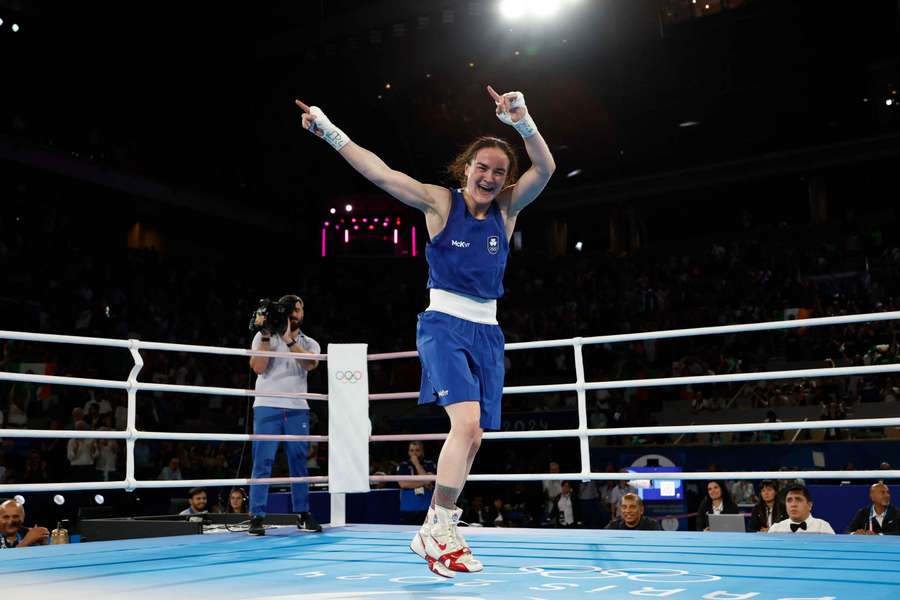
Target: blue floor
{"x":373,"y":561}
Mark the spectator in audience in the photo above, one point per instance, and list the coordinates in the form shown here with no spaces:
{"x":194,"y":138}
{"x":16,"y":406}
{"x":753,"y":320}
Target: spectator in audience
{"x":565,"y":509}
{"x":770,"y":508}
{"x":477,"y":514}
{"x":717,"y":502}
{"x":237,"y":501}
{"x":833,"y":411}
{"x":879,"y":517}
{"x":107,"y":460}
{"x":589,"y":505}
{"x":82,"y":453}
{"x":631,"y":511}
{"x":615,"y":496}
{"x":12,"y":532}
{"x":496,"y":514}
{"x":742,"y":492}
{"x":415,"y":496}
{"x":171,"y":471}
{"x":523,"y":505}
{"x":551,"y":487}
{"x":799,"y":509}
{"x":197,"y":499}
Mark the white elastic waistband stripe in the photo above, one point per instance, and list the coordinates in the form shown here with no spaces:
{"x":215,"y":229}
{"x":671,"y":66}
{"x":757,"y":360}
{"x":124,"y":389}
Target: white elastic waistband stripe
{"x":465,"y":307}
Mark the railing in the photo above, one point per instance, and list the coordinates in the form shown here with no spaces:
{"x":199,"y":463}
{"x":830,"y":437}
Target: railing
{"x":132,"y":386}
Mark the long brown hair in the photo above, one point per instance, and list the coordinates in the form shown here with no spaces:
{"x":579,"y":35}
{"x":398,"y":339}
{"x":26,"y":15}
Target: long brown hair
{"x":457,"y":167}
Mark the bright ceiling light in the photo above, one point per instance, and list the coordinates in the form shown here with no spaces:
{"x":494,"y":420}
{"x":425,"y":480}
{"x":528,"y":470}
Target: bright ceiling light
{"x":512,"y":9}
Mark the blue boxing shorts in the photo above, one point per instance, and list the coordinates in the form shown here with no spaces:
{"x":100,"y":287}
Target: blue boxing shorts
{"x":461,"y":361}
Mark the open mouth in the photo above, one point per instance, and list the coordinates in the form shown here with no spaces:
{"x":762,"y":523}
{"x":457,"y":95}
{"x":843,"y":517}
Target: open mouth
{"x":485,"y":188}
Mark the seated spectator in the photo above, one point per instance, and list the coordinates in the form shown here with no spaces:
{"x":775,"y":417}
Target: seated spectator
{"x":477,"y":514}
{"x":833,"y":411}
{"x":880,"y":517}
{"x":12,"y":534}
{"x":237,"y":501}
{"x":799,"y":509}
{"x":496,"y":514}
{"x":523,"y":505}
{"x":415,"y":496}
{"x":615,"y":496}
{"x":197,"y":498}
{"x":717,"y":502}
{"x":742,"y":492}
{"x":631,"y":511}
{"x":171,"y":471}
{"x":770,"y":508}
{"x":565,"y":509}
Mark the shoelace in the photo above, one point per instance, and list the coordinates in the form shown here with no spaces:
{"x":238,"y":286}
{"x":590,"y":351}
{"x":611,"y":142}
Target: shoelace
{"x":454,"y":531}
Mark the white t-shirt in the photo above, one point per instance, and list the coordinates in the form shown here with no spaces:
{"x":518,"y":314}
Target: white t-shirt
{"x":813,"y":525}
{"x":283,"y":374}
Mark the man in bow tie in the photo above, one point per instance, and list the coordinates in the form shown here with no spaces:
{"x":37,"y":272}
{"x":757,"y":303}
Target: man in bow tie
{"x":799,"y":506}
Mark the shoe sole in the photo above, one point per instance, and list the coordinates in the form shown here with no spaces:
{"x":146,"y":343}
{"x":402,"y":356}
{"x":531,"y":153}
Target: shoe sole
{"x":418,"y":547}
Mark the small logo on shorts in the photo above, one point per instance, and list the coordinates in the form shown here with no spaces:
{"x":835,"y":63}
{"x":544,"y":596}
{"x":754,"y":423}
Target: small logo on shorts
{"x":493,"y":243}
{"x":443,"y":393}
{"x":460,"y":243}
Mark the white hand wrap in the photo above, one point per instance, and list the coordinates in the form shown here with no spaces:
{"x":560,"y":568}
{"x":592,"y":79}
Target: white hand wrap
{"x":525,"y":126}
{"x":331,"y":133}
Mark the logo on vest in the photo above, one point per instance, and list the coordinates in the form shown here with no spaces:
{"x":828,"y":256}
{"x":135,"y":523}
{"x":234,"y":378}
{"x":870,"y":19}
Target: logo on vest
{"x":443,"y":393}
{"x":460,"y":243}
{"x":493,"y":244}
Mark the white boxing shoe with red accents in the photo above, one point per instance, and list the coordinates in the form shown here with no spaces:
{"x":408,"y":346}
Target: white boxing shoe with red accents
{"x":438,"y":541}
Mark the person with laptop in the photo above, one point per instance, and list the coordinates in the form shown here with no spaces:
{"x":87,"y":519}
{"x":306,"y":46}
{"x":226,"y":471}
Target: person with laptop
{"x":631,"y":515}
{"x":799,"y":510}
{"x":717,"y":502}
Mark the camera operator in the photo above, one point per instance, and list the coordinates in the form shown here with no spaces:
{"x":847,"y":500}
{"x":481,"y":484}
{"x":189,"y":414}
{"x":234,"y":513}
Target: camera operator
{"x":281,"y":416}
{"x":12,"y":534}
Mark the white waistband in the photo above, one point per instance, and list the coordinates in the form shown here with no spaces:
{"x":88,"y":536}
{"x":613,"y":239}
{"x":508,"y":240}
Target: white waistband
{"x":465,"y":307}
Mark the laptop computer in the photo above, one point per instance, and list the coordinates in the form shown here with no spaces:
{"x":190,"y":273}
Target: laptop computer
{"x":727,"y":523}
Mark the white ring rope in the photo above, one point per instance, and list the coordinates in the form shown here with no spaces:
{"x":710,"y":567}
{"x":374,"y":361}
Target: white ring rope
{"x":132,"y":386}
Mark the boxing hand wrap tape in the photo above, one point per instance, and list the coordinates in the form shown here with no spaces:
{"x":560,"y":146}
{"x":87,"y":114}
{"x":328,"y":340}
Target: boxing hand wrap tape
{"x":525,"y":126}
{"x":331,"y":133}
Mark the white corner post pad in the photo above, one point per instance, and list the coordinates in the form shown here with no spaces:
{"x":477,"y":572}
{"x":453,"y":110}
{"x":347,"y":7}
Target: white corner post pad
{"x":348,"y":424}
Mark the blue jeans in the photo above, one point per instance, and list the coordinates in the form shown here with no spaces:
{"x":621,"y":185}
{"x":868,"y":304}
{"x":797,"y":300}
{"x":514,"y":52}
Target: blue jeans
{"x":279,"y":421}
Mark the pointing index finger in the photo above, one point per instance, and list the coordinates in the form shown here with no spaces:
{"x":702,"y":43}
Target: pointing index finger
{"x":302,"y":106}
{"x":493,"y":94}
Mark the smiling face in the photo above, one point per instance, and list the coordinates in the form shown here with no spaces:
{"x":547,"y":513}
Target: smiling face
{"x":715,"y":492}
{"x":12,"y":515}
{"x":485,"y":175}
{"x":632,"y":509}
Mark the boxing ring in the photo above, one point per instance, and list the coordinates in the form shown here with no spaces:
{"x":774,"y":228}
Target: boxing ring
{"x":352,"y":560}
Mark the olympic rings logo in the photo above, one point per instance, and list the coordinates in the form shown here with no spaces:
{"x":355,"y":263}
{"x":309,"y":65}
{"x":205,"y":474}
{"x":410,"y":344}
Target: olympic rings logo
{"x":349,"y":376}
